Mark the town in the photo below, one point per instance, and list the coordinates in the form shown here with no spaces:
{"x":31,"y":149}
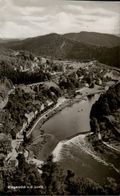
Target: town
{"x":22,"y":104}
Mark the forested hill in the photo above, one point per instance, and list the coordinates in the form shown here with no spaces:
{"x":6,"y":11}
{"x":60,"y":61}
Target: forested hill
{"x":105,"y":114}
{"x":60,"y":46}
{"x":97,"y":39}
{"x":107,"y":103}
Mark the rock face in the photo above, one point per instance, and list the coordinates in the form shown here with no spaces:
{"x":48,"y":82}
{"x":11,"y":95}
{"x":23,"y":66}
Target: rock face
{"x":5,"y":86}
{"x":105,"y":114}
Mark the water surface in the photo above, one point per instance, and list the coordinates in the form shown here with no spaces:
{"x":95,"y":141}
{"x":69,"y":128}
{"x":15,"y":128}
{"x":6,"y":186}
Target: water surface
{"x":71,"y":120}
{"x":75,"y":154}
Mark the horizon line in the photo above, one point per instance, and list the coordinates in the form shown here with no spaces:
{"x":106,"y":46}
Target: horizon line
{"x":22,"y":38}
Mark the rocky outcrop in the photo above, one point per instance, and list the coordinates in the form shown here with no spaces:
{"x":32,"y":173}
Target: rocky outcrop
{"x":105,"y":114}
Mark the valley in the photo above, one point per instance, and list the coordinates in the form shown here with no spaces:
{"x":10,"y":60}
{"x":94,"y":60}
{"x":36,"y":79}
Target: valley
{"x":59,"y":108}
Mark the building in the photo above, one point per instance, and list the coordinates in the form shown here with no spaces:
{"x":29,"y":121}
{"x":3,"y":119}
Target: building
{"x":99,"y":136}
{"x":49,"y":103}
{"x":29,"y":116}
{"x":42,"y":107}
{"x":42,"y":60}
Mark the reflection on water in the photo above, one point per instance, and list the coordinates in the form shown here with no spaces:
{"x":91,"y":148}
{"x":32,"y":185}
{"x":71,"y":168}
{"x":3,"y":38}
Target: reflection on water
{"x":75,"y":153}
{"x":71,"y":120}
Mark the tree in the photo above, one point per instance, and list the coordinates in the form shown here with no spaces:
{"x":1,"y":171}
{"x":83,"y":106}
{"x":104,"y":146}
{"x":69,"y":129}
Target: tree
{"x":53,"y":178}
{"x":25,"y":175}
{"x":5,"y":144}
{"x":111,"y":187}
{"x":61,"y":182}
{"x":94,"y":125}
{"x":83,"y":186}
{"x":21,"y":161}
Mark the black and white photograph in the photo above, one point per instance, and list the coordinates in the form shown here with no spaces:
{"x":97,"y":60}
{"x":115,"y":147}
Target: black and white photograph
{"x":59,"y":97}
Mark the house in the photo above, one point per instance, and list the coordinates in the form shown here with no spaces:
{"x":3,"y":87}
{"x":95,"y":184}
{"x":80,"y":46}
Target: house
{"x":42,"y":60}
{"x":99,"y":136}
{"x":42,"y":107}
{"x":13,"y":163}
{"x":36,"y":59}
{"x":49,"y":103}
{"x":34,"y":67}
{"x":24,"y":126}
{"x":36,"y":112}
{"x":29,"y":116}
{"x":1,"y":125}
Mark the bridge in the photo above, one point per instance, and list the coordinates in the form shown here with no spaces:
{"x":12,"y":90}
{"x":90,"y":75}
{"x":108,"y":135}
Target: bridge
{"x":36,"y":85}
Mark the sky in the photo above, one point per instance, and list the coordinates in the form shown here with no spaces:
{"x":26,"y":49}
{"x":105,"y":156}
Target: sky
{"x":29,"y":18}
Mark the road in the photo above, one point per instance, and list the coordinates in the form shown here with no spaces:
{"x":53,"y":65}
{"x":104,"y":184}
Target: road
{"x":60,"y":101}
{"x":111,"y":147}
{"x":108,"y":145}
{"x":16,"y":143}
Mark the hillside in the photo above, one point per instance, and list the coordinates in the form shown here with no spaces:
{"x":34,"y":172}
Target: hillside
{"x":105,"y":125}
{"x":2,"y":41}
{"x":58,"y":46}
{"x":48,"y":45}
{"x":105,"y":114}
{"x":97,"y":39}
{"x":109,"y":56}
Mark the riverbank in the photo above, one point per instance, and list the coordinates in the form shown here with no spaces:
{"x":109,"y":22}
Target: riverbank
{"x":79,"y":151}
{"x":44,"y":141}
{"x":72,"y":151}
{"x":39,"y":144}
{"x":63,"y":103}
{"x":76,"y":149}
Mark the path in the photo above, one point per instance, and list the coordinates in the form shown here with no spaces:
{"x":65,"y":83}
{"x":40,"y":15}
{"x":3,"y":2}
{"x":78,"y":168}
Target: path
{"x":16,"y":143}
{"x":111,"y":147}
{"x":108,"y":145}
{"x":60,"y":102}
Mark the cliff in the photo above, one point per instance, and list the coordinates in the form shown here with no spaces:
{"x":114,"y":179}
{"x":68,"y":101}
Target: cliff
{"x":105,"y":117}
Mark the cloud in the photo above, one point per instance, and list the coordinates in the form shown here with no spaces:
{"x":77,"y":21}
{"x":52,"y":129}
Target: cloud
{"x":10,"y":12}
{"x":89,"y":11}
{"x":25,"y":3}
{"x":32,"y":10}
{"x":34,"y":3}
{"x":26,"y":18}
{"x":95,"y":18}
{"x":10,"y":27}
{"x":2,"y":3}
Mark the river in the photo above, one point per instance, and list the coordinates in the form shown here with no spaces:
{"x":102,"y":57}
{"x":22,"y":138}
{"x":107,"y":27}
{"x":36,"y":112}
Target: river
{"x":72,"y":120}
{"x":75,"y":153}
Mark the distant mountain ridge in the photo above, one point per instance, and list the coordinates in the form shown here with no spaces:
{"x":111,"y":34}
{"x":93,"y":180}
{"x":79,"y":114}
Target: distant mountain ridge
{"x":6,"y":40}
{"x":97,"y":39}
{"x":93,"y":38}
{"x":53,"y":44}
{"x":77,"y":46}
